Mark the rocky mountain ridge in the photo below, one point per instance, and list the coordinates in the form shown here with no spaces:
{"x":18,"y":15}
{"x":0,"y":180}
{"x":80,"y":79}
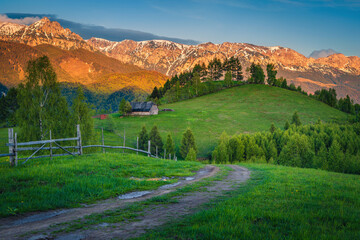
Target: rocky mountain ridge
{"x":42,"y":32}
{"x":169,"y":58}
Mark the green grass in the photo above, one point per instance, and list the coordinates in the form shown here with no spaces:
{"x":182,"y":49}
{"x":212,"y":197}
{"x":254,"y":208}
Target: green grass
{"x":68,"y":181}
{"x":278,"y":203}
{"x":244,"y":109}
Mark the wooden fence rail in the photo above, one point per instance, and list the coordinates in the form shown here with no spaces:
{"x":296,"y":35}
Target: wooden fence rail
{"x":15,"y":147}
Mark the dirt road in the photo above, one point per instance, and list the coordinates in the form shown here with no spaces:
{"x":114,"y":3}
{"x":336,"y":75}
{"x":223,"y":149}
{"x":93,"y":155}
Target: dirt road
{"x":152,"y":217}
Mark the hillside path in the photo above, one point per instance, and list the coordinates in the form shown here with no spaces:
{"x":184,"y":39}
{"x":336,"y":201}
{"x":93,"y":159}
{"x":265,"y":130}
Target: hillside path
{"x":152,"y":216}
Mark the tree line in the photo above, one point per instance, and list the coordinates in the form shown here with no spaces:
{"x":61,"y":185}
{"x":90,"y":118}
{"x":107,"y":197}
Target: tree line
{"x":202,"y":79}
{"x":327,"y":146}
{"x":188,"y":149}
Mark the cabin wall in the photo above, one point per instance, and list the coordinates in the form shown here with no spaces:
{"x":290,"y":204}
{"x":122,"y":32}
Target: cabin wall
{"x":140,"y":113}
{"x":154,"y":110}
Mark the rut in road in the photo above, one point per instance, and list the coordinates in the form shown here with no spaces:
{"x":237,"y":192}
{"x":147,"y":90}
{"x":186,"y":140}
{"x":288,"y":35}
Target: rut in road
{"x":160,"y":214}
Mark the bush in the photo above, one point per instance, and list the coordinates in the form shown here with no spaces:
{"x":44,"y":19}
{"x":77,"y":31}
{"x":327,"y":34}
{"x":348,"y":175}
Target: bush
{"x":191,"y":156}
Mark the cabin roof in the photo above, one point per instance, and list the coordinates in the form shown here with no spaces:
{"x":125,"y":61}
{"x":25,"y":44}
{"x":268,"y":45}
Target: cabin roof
{"x":141,"y":106}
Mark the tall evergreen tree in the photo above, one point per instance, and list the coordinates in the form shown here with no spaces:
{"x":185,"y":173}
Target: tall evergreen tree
{"x":155,"y":94}
{"x":238,"y":70}
{"x":41,"y":106}
{"x":287,"y":125}
{"x":196,"y":82}
{"x":271,"y":73}
{"x":236,"y":150}
{"x":296,"y":119}
{"x":122,"y":106}
{"x":156,"y":141}
{"x":272,"y":128}
{"x":228,"y":79}
{"x":82,"y":115}
{"x":221,"y":153}
{"x":143,"y":139}
{"x":257,"y":74}
{"x":187,"y":142}
{"x":283,"y":83}
{"x":169,"y":145}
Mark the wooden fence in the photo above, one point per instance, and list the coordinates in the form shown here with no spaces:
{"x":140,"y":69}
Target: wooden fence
{"x":15,"y":147}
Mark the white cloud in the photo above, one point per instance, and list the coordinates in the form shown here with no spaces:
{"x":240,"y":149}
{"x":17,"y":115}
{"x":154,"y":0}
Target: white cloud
{"x":22,"y":21}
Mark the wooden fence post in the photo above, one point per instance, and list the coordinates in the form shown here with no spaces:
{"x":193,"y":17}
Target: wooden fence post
{"x":79,"y":139}
{"x":11,"y":148}
{"x":169,"y":156}
{"x":149,"y":144}
{"x":50,"y":146}
{"x":102,"y":137}
{"x":15,"y":150}
{"x":137,"y":145}
{"x":156,"y":151}
{"x":124,"y":141}
{"x":164,"y":153}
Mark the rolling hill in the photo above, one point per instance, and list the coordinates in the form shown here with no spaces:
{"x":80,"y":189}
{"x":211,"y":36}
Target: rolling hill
{"x":244,"y":109}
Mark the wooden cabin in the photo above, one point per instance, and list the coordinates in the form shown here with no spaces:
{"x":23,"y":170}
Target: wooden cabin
{"x":144,"y":108}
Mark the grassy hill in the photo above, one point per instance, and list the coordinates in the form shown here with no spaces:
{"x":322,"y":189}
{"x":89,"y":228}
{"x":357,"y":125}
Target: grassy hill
{"x":244,"y":109}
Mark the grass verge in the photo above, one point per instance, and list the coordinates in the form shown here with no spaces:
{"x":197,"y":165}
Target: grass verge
{"x":278,"y":203}
{"x":66,"y":182}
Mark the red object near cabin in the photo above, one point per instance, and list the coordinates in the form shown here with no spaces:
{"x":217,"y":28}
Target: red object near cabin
{"x":101,"y":116}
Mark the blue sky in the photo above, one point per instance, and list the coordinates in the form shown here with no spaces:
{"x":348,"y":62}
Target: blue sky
{"x":301,"y":25}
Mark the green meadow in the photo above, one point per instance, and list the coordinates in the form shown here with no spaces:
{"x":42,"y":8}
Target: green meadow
{"x":42,"y":184}
{"x":243,"y":109}
{"x":277,"y":203}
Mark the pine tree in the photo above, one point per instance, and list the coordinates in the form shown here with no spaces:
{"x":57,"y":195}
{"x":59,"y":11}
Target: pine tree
{"x":169,"y":145}
{"x":191,"y":156}
{"x":236,"y":150}
{"x":143,"y":139}
{"x":296,"y":119}
{"x":196,"y":82}
{"x":127,"y":108}
{"x":155,"y":94}
{"x":122,"y":106}
{"x":271,"y":73}
{"x":41,"y":106}
{"x":187,"y":142}
{"x":287,"y":125}
{"x":272,"y":128}
{"x":82,"y":115}
{"x":228,"y":79}
{"x":156,"y":141}
{"x":257,"y":74}
{"x":283,"y":83}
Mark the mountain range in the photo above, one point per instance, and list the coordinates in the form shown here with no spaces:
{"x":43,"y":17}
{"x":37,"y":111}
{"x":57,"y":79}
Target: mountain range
{"x":73,"y":59}
{"x":109,"y":66}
